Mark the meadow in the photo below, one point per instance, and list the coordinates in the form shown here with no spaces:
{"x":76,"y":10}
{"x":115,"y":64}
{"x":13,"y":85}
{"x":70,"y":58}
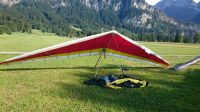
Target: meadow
{"x":57,"y":85}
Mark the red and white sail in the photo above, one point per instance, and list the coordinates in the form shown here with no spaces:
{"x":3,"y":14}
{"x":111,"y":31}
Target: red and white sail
{"x":112,"y":42}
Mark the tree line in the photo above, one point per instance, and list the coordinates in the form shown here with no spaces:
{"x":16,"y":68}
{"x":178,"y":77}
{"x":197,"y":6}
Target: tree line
{"x":9,"y":24}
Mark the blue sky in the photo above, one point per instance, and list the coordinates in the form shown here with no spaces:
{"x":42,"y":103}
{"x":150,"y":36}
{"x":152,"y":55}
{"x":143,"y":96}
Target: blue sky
{"x":153,"y":2}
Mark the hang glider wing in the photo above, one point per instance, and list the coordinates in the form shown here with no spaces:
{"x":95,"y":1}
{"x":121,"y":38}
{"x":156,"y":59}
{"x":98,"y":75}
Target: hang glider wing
{"x":112,"y":42}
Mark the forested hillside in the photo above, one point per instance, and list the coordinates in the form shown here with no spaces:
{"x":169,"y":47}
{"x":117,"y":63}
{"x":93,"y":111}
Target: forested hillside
{"x":9,"y":24}
{"x":134,"y":18}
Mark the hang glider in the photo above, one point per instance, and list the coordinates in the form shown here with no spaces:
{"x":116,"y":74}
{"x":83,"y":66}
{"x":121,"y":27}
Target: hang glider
{"x":111,"y":43}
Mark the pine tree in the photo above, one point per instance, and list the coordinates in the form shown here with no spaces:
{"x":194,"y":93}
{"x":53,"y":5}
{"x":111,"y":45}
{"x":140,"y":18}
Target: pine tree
{"x":1,"y":31}
{"x":197,"y":38}
{"x":178,"y":38}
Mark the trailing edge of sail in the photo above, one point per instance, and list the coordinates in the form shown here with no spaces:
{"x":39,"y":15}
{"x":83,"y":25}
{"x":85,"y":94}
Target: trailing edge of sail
{"x":112,"y":42}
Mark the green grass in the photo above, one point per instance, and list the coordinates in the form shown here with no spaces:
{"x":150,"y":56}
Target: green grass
{"x":28,"y":42}
{"x":57,"y":85}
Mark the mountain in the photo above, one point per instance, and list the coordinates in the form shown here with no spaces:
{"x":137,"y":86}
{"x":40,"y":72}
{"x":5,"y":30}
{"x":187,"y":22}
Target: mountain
{"x":196,"y":19}
{"x":9,"y":2}
{"x":182,"y":10}
{"x":130,"y":16}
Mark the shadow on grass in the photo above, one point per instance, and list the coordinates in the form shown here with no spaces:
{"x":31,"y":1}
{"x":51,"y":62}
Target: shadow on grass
{"x":109,"y":66}
{"x":160,"y":95}
{"x":55,"y":68}
{"x":47,"y":68}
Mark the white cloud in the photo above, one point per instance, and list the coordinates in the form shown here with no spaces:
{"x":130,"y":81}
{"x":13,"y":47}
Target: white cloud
{"x":153,"y":2}
{"x":196,"y":0}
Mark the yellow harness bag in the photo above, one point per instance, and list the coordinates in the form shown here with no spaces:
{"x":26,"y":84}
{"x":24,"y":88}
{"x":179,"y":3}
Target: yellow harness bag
{"x":127,"y":82}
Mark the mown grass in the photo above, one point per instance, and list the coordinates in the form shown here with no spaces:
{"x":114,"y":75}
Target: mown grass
{"x":28,"y":42}
{"x":57,"y":85}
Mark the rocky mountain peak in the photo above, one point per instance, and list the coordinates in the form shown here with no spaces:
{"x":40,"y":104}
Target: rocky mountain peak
{"x":181,"y":10}
{"x":114,"y":4}
{"x":9,"y":2}
{"x":97,"y":4}
{"x":175,"y":3}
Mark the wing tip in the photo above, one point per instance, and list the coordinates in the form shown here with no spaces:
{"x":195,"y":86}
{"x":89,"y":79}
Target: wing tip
{"x":3,"y":63}
{"x":166,"y":65}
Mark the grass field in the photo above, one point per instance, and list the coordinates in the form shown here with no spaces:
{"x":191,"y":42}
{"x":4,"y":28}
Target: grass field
{"x":57,"y":85}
